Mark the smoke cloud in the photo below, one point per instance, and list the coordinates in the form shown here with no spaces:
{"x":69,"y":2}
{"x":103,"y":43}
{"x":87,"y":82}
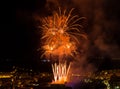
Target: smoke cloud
{"x":102,"y":29}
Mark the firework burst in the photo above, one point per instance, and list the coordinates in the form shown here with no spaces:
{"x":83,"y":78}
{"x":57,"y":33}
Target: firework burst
{"x":60,"y":33}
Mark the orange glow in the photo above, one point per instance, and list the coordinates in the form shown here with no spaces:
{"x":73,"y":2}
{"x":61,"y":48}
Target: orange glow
{"x":60,"y":35}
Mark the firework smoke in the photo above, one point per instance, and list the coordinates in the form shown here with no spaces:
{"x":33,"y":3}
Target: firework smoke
{"x":102,"y":29}
{"x":103,"y":25}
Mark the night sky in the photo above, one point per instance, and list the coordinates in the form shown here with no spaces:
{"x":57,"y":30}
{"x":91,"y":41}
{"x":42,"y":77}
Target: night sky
{"x":19,"y":38}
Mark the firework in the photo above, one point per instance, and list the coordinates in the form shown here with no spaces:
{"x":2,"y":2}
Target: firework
{"x":60,"y":72}
{"x":60,"y":35}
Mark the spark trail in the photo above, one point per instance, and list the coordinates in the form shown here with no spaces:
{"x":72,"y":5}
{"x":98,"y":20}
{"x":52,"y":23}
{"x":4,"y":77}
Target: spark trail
{"x":60,"y":35}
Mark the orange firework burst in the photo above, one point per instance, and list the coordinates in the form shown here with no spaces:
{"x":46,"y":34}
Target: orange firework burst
{"x":60,"y":33}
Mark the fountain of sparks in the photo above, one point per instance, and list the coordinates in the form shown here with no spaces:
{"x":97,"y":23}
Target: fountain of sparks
{"x":60,"y":35}
{"x":60,"y":72}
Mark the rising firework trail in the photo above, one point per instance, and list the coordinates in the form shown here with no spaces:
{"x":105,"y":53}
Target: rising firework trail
{"x":60,"y":72}
{"x":60,"y":35}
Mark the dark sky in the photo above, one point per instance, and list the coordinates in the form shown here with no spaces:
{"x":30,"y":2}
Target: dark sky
{"x":18,"y":39}
{"x":18,"y":35}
